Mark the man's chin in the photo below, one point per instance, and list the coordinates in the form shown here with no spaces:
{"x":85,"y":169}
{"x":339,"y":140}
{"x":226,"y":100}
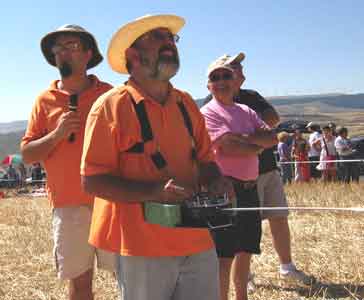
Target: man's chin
{"x":223,"y":94}
{"x":222,"y":91}
{"x":167,"y":71}
{"x":65,"y":70}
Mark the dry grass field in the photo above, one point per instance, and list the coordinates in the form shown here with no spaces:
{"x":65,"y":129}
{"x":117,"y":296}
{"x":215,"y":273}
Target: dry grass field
{"x":328,"y":245}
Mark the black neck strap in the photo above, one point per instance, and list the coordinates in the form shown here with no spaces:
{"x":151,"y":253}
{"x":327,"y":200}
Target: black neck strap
{"x":147,"y":134}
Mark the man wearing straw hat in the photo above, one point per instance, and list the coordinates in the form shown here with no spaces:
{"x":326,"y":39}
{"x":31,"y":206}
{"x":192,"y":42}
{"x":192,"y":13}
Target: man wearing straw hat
{"x":146,"y":142}
{"x":54,"y":137}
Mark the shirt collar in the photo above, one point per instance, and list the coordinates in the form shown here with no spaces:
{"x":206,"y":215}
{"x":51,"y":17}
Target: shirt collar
{"x":139,"y":95}
{"x":218,"y":103}
{"x":95,"y":83}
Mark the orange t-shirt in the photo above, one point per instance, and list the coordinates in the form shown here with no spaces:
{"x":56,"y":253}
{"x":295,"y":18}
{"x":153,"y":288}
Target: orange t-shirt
{"x":112,"y":128}
{"x":63,"y":163}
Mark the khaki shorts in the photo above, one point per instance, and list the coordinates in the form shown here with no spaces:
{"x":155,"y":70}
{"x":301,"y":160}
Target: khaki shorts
{"x":169,"y":278}
{"x":271,"y":194}
{"x":72,"y":252}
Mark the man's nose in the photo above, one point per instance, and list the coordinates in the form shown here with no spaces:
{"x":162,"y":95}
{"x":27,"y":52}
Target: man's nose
{"x":169,"y":41}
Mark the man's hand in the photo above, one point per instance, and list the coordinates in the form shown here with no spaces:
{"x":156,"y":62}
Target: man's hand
{"x":264,"y":137}
{"x":171,"y":193}
{"x":67,"y":124}
{"x":38,"y":150}
{"x":271,"y":117}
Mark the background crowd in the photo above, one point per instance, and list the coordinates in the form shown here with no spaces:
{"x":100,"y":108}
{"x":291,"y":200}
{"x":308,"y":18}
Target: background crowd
{"x":326,"y":154}
{"x":18,"y":175}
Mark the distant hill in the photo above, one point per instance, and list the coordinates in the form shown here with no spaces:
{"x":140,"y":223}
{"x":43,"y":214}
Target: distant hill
{"x":327,"y":102}
{"x":10,"y":137}
{"x":340,"y":101}
{"x":313,"y":107}
{"x":343,"y":109}
{"x":9,"y":143}
{"x":13,"y":126}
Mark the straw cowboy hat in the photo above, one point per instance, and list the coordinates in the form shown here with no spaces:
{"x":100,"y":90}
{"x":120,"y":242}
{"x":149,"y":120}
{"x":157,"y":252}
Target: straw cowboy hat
{"x":128,"y":33}
{"x":48,"y":40}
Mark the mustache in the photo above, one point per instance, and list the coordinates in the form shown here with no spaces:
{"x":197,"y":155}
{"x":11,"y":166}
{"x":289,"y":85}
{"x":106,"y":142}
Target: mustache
{"x":168,"y":48}
{"x":65,"y":69}
{"x":164,"y":48}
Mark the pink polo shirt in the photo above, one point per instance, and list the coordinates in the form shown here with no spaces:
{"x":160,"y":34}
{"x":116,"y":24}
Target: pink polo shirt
{"x":236,"y":118}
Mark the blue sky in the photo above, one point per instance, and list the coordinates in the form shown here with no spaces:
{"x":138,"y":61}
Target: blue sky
{"x":291,"y":47}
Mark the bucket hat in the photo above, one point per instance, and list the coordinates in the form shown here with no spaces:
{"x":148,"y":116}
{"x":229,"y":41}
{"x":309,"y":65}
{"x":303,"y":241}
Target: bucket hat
{"x":48,"y":40}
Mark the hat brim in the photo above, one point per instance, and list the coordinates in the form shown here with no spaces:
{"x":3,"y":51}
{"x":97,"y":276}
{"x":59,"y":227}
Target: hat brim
{"x":128,"y":33}
{"x":237,"y":59}
{"x":47,"y":43}
{"x":312,"y":125}
{"x":224,"y":67}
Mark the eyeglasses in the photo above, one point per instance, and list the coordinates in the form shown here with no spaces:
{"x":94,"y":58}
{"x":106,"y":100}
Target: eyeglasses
{"x":223,"y":76}
{"x":158,"y":35}
{"x":70,"y":46}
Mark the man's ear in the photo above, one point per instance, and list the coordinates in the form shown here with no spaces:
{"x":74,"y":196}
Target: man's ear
{"x":132,"y":56}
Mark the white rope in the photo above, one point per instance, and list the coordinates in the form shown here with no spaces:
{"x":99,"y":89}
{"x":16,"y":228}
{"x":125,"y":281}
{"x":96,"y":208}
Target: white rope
{"x":24,"y":181}
{"x":36,"y":181}
{"x":298,"y":208}
{"x":318,"y":161}
{"x":9,"y":180}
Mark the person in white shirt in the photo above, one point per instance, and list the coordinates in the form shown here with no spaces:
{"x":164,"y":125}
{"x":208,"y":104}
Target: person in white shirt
{"x":348,"y":170}
{"x":314,"y":152}
{"x":328,"y":154}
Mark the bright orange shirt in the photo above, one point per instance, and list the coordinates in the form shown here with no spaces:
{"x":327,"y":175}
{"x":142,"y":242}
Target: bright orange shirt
{"x":112,"y":128}
{"x":63,"y":163}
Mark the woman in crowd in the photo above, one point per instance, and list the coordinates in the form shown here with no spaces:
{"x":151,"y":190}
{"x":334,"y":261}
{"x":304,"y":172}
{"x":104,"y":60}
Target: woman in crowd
{"x":328,"y":152}
{"x":300,"y":148}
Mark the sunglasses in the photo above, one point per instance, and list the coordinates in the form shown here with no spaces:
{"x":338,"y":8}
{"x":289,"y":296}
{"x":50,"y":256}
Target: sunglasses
{"x":223,"y":76}
{"x":70,"y":46}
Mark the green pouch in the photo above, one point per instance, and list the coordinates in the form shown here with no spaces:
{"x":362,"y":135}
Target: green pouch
{"x":168,"y":215}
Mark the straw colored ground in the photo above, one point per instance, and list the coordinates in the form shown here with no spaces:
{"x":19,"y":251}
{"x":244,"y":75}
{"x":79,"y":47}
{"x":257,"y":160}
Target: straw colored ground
{"x":329,"y":246}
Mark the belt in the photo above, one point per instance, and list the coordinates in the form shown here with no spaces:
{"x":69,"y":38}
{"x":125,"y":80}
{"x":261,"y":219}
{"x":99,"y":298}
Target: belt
{"x":244,"y":184}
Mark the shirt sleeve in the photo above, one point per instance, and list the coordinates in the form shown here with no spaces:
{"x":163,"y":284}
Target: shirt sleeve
{"x":283,"y":151}
{"x":313,"y":138}
{"x":254,"y":100}
{"x":257,"y":121}
{"x":262,"y":103}
{"x":215,"y":123}
{"x":280,"y":150}
{"x":36,"y":127}
{"x":107,"y":134}
{"x":338,"y":144}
